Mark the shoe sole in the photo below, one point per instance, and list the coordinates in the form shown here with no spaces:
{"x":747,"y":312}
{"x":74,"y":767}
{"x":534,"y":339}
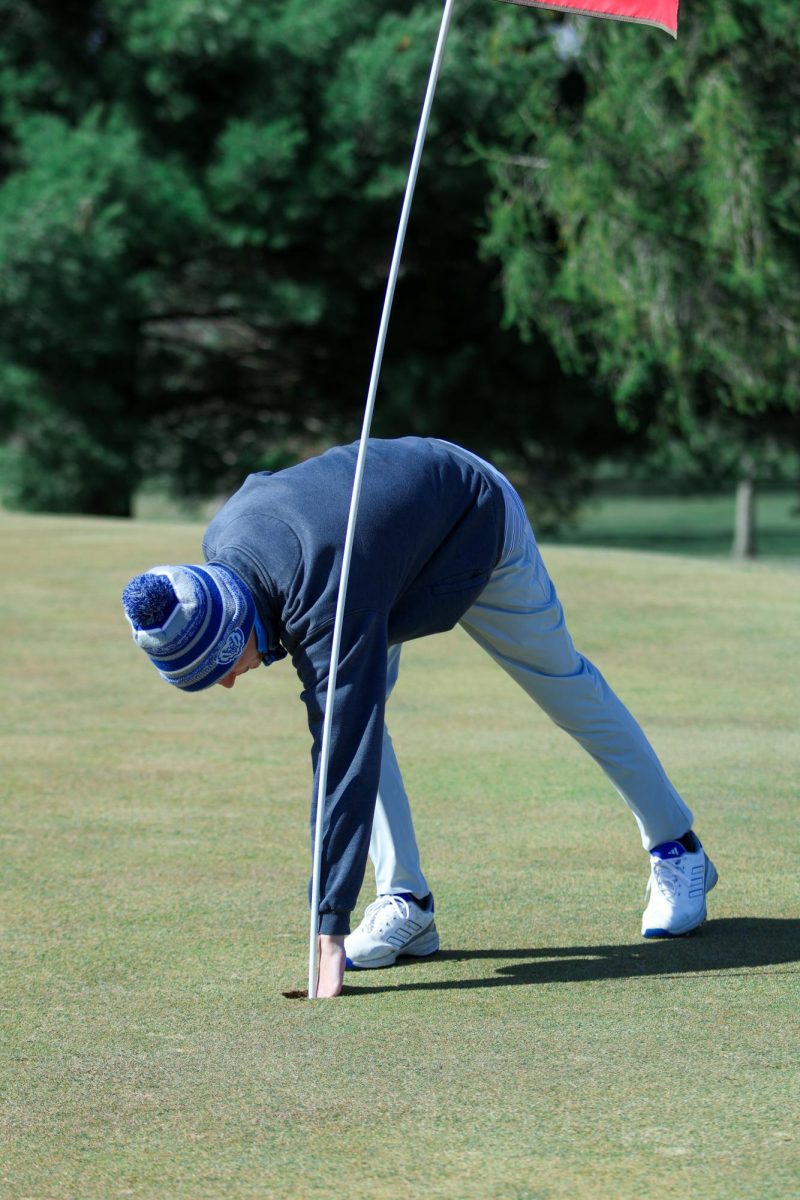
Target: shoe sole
{"x":710,"y":881}
{"x":423,"y":945}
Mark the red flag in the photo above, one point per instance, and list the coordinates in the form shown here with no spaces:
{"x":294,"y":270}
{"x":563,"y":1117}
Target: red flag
{"x":661,"y":13}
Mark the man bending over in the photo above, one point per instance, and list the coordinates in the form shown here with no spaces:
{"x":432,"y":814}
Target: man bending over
{"x":442,"y":538}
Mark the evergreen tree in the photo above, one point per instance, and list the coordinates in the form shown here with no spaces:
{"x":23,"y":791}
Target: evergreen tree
{"x":196,"y":220}
{"x":647,"y":215}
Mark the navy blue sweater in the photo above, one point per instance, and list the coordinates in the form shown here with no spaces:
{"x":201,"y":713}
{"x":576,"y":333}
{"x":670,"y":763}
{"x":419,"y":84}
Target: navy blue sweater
{"x":430,"y":530}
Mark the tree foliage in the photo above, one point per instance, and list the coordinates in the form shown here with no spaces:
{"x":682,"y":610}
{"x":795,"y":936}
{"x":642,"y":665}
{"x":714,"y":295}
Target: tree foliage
{"x":198,"y":203}
{"x":195,"y":225}
{"x":647,"y":212}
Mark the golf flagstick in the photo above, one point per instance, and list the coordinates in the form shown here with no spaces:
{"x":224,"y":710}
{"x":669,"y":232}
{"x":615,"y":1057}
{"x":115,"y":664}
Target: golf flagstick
{"x":322,"y":782}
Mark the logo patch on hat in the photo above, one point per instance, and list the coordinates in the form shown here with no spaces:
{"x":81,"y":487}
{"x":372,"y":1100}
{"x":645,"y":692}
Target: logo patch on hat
{"x":232,"y":648}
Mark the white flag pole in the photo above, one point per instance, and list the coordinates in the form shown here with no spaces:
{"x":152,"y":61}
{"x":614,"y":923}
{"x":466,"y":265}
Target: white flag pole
{"x":322,"y":782}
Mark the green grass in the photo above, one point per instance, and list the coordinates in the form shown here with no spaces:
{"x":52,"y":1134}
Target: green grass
{"x":154,"y":872}
{"x":690,"y":525}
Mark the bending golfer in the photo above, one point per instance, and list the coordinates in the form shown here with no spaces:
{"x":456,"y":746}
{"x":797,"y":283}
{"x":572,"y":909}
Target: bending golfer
{"x":442,"y":537}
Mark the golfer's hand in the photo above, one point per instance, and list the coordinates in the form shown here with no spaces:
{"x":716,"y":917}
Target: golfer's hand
{"x":331,"y":965}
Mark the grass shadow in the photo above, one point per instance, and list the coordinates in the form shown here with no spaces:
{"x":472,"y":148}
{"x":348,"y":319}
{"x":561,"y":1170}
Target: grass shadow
{"x":728,"y":944}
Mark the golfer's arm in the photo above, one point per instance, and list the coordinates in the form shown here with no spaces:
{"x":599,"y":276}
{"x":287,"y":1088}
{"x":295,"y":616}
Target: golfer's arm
{"x":355,"y":755}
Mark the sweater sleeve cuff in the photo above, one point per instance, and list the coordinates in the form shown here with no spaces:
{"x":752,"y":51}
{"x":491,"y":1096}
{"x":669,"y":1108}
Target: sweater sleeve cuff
{"x":335,"y":923}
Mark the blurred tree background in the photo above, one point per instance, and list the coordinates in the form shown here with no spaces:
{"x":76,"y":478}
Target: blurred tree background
{"x":198,"y":200}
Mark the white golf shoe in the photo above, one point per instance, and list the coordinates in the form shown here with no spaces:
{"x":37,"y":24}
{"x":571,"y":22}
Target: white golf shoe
{"x":392,"y":927}
{"x":680,"y":879}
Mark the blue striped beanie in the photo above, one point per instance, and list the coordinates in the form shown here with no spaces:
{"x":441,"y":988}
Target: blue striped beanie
{"x":192,"y":622}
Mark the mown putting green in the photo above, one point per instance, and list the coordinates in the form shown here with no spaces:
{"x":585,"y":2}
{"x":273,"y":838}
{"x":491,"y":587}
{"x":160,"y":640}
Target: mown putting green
{"x":154,"y":890}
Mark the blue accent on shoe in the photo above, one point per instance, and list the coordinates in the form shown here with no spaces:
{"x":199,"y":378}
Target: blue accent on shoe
{"x":669,"y":850}
{"x":349,"y":965}
{"x":426,"y":903}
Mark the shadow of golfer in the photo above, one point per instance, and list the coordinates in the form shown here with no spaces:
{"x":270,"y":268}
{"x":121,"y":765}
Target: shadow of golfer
{"x":729,"y":944}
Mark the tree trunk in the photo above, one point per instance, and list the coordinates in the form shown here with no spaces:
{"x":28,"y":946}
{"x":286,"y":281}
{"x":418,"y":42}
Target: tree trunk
{"x":744,"y":538}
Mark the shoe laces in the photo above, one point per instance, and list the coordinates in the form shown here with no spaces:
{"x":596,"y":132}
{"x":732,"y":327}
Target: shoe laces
{"x":669,"y":876}
{"x":373,"y":912}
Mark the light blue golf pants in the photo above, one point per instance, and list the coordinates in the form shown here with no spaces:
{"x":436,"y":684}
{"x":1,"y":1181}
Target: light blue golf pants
{"x":519,"y":621}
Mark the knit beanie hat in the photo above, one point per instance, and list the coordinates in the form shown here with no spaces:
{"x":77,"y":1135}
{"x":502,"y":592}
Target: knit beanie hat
{"x":193,"y":622}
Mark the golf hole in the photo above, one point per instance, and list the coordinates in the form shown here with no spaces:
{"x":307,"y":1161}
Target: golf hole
{"x":299,"y":994}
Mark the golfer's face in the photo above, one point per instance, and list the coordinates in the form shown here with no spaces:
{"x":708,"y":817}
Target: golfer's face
{"x":250,"y":659}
